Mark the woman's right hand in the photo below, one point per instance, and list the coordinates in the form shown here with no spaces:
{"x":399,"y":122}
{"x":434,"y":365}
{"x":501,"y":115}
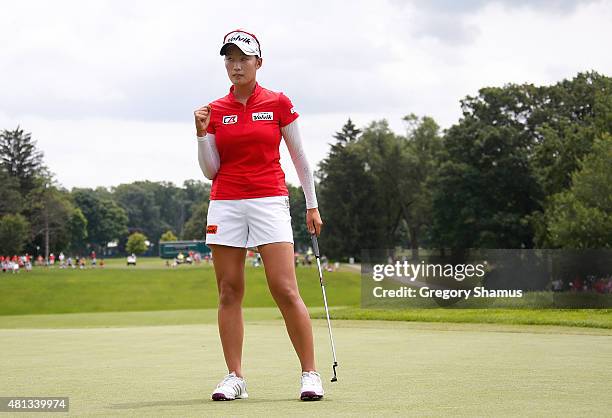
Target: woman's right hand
{"x":202,"y":118}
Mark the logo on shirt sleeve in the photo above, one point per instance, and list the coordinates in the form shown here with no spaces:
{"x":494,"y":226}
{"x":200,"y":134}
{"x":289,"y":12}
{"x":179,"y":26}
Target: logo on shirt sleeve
{"x":263,"y":116}
{"x":292,"y":110}
{"x":228,"y":120}
{"x":211,"y":229}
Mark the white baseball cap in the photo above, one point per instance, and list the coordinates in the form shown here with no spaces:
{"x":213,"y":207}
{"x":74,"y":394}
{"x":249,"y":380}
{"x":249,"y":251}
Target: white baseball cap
{"x":247,"y":42}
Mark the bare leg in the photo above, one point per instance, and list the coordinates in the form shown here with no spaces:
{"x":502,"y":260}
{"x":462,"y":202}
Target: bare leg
{"x":280,"y":272}
{"x":229,"y":270}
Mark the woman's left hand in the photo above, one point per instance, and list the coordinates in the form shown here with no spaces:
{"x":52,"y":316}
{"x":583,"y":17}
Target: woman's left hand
{"x":313,"y":221}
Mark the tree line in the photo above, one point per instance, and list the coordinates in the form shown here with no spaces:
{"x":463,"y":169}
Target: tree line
{"x":524,"y":167}
{"x":39,"y":216}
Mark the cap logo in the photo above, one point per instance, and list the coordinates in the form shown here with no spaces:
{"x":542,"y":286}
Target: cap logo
{"x":239,"y":39}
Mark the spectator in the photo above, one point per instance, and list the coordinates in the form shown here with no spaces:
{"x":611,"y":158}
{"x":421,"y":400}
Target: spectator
{"x":577,"y":284}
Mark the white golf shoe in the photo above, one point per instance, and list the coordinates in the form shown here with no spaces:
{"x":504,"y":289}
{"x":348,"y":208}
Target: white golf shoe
{"x":312,"y":388}
{"x":230,"y":388}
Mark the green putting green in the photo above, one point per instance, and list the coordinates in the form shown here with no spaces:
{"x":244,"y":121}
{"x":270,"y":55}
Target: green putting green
{"x":110,"y":365}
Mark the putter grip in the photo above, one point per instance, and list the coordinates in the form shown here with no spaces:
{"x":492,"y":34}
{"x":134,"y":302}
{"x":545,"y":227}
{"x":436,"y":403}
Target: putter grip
{"x":315,"y":245}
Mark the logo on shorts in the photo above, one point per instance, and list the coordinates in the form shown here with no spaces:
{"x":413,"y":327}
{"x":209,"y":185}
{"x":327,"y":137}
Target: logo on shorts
{"x":211,"y":229}
{"x":287,"y":202}
{"x":263,"y":116}
{"x":228,"y":120}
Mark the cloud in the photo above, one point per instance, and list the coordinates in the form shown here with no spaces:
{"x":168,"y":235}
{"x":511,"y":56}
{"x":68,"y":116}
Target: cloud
{"x":445,"y":20}
{"x":468,"y":6}
{"x":113,"y":74}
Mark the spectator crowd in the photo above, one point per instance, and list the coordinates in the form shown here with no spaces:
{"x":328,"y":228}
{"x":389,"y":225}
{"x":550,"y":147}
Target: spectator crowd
{"x":17,"y":263}
{"x":589,"y":283}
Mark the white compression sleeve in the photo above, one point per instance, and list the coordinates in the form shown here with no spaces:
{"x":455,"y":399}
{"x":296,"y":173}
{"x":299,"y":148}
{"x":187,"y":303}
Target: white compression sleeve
{"x":293,"y":140}
{"x":208,"y":156}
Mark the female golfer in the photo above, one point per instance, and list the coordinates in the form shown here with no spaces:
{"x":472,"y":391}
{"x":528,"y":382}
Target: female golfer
{"x":238,"y":148}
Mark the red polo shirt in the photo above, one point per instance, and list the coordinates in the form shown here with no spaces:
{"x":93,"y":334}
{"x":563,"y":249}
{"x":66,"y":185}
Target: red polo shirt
{"x":248,"y":139}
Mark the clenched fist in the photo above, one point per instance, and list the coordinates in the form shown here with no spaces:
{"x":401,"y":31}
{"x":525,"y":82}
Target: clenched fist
{"x":202,"y":117}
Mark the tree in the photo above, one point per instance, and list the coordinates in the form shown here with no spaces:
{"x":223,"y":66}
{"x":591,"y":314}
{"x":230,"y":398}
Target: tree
{"x":514,"y":147}
{"x":11,"y":200}
{"x":301,"y":237}
{"x":154,"y":207}
{"x":348,"y":134}
{"x":106,"y":221}
{"x":564,"y":119}
{"x":77,"y":229}
{"x":168,"y":236}
{"x":569,"y":116}
{"x":195,"y":228}
{"x":136,"y":243}
{"x":391,"y":168}
{"x":581,"y":217}
{"x":195,"y":193}
{"x":138,"y":201}
{"x":484,"y":190}
{"x":424,"y":147}
{"x":50,"y":212}
{"x":14,"y":233}
{"x":346,"y":189}
{"x":20,"y":158}
{"x":146,"y":200}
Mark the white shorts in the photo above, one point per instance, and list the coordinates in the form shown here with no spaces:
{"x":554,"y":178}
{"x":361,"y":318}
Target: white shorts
{"x":248,"y":223}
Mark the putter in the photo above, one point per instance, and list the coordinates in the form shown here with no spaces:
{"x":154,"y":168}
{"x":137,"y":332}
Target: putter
{"x":315,"y":246}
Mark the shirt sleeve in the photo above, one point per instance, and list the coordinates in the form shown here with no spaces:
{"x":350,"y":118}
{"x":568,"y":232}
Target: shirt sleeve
{"x":208,"y":157}
{"x":291,"y":134}
{"x":287,"y":112}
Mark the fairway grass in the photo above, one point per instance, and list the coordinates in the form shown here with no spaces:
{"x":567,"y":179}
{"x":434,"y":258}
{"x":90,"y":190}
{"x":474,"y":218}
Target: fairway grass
{"x":386,"y":368}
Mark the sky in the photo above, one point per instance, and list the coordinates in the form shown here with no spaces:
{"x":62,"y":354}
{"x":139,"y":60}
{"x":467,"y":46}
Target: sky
{"x":108,"y":88}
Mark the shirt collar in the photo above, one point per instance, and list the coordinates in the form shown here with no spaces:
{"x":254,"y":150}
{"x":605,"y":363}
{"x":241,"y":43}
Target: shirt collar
{"x":253,"y":95}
